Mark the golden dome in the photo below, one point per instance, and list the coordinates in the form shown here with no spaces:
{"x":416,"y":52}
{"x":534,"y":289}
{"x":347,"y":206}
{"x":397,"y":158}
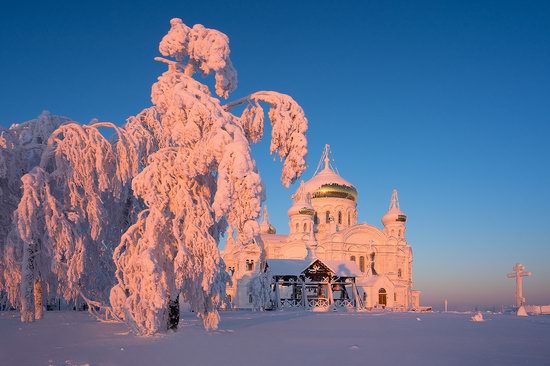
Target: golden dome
{"x":336,"y":191}
{"x":327,"y":183}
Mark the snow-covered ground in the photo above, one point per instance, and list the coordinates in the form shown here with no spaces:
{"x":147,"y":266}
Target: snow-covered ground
{"x":283,"y":338}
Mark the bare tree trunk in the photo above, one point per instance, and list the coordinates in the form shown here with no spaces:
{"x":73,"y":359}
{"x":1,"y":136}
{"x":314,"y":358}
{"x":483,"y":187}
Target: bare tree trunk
{"x":38,"y":309}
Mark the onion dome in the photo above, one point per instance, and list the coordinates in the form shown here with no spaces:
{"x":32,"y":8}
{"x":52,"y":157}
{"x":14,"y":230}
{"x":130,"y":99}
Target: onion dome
{"x":230,"y":242}
{"x":328,"y":183}
{"x":302,"y":203}
{"x":265,"y":225}
{"x":394,"y":214}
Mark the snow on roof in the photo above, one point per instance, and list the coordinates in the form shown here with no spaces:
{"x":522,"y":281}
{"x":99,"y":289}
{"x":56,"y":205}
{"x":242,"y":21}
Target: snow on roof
{"x":287,"y":267}
{"x":374,"y":280}
{"x":342,"y":268}
{"x":326,"y":176}
{"x":295,"y":267}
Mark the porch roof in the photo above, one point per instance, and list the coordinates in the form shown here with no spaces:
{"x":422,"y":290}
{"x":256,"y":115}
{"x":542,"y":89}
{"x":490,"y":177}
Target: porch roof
{"x":287,"y":267}
{"x":295,"y":267}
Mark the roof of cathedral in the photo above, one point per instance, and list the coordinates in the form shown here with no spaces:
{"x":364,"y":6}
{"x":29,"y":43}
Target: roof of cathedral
{"x":302,"y":202}
{"x":328,"y":183}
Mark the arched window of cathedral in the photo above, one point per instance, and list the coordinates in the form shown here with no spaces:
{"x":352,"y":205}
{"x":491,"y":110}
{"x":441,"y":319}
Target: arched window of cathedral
{"x":297,"y":227}
{"x":305,"y":228}
{"x":349,"y":218}
{"x":327,"y":217}
{"x":352,"y":258}
{"x":395,"y":296}
{"x":249,"y":264}
{"x":339,"y":217}
{"x":382,"y":297}
{"x":364,"y":296}
{"x":399,"y":273}
{"x":372,"y":263}
{"x":250,"y":298}
{"x":362,"y":264}
{"x":316,"y":219}
{"x":229,"y":298}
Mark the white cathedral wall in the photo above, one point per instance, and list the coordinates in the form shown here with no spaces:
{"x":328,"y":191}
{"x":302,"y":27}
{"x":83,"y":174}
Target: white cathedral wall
{"x":333,"y":206}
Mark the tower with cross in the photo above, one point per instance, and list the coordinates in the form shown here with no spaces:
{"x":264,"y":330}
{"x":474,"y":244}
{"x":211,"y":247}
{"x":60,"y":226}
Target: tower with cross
{"x":518,"y":274}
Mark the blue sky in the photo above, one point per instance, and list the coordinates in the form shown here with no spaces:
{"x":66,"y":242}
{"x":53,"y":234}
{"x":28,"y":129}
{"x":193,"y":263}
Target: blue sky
{"x":448,"y":101}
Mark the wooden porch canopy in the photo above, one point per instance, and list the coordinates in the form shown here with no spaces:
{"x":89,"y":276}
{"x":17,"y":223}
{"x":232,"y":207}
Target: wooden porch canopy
{"x":319,"y":284}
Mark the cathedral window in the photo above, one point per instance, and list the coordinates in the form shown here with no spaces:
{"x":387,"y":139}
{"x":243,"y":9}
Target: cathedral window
{"x":352,"y":258}
{"x":349,"y":218}
{"x":229,"y":298}
{"x":249,"y":264}
{"x":231,"y":270}
{"x":327,"y":217}
{"x":316,"y":218}
{"x":399,"y":273}
{"x":250,"y":298}
{"x":382,"y":297}
{"x":305,"y":228}
{"x":340,"y":217}
{"x":362,"y":264}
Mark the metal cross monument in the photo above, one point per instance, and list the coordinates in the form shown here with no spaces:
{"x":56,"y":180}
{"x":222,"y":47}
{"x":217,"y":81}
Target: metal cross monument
{"x":518,"y":274}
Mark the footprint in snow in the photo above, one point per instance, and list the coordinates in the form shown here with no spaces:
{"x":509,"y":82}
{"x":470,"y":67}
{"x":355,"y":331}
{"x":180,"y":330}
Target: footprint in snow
{"x":354,"y":347}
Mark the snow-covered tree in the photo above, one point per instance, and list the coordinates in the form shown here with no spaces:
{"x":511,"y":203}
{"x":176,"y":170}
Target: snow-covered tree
{"x":260,"y":289}
{"x":76,"y":204}
{"x":21,"y":148}
{"x":201,"y":179}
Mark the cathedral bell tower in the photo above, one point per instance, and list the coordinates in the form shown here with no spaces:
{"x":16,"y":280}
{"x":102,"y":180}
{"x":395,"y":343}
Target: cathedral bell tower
{"x":394,"y":220}
{"x":301,"y":213}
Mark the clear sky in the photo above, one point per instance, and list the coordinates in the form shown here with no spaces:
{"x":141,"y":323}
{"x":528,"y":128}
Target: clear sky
{"x":448,"y":101}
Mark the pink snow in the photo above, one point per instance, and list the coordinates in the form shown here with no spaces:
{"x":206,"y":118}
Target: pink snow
{"x":282,"y":338}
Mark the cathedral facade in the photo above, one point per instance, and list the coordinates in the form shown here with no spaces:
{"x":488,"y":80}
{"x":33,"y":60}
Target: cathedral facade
{"x":323,"y":227}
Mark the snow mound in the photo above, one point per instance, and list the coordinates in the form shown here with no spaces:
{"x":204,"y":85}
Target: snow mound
{"x":478,"y":317}
{"x":521,"y":311}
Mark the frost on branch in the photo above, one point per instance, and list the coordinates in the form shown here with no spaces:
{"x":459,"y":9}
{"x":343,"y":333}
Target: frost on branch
{"x":288,"y":128}
{"x":201,"y":179}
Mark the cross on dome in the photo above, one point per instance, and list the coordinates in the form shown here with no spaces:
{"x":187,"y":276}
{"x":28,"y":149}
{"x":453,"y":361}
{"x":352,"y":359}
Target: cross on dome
{"x":326,"y":159}
{"x":394,"y":202}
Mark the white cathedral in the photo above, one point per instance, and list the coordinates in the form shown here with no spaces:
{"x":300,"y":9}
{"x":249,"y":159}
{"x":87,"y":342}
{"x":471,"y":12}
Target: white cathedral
{"x":328,"y":259}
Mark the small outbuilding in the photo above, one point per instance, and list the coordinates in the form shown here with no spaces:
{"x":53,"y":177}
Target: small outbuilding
{"x":315,"y":284}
